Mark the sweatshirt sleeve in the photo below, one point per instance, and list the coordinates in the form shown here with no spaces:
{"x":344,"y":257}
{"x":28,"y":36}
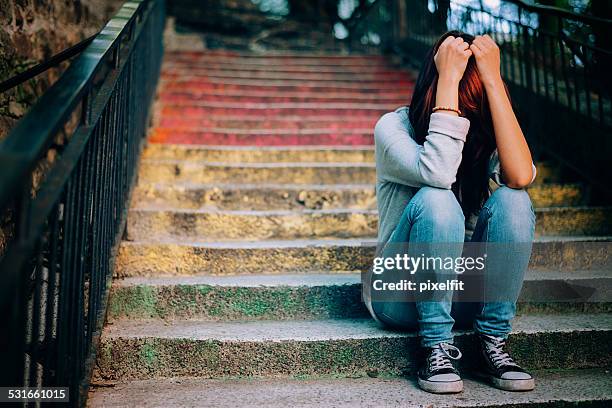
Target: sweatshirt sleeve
{"x":400,"y":159}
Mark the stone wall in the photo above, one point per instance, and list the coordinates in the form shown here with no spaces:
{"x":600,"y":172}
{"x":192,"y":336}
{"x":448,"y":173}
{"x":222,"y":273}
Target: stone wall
{"x":34,"y":30}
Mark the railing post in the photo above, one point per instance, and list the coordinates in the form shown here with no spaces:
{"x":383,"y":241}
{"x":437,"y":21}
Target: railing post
{"x":401,"y":24}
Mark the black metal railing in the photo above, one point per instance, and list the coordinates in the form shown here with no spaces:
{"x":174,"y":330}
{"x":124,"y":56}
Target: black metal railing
{"x":557,"y":64}
{"x":67,"y":169}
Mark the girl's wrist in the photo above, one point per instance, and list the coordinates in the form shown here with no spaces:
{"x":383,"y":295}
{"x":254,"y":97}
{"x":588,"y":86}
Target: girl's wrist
{"x":447,"y":81}
{"x":494,"y":82}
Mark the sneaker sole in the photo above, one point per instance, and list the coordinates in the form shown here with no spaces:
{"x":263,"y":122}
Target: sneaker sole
{"x":439,"y":387}
{"x":513,"y":385}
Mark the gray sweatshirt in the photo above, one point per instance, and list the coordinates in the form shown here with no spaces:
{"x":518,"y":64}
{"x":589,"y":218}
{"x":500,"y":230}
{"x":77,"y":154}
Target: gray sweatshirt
{"x":403,"y":166}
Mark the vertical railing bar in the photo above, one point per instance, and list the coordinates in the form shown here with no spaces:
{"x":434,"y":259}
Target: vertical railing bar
{"x":542,"y":41}
{"x":501,"y":40}
{"x":536,"y":69}
{"x":512,"y":56}
{"x":601,"y":108}
{"x":85,"y":251}
{"x":104,"y":194}
{"x":75,"y":338}
{"x":576,"y":84}
{"x":107,"y":191}
{"x":52,"y":292}
{"x":587,"y":87}
{"x":568,"y":92}
{"x":36,"y":305}
{"x":93,"y":260}
{"x":554,"y":69}
{"x":527,"y":60}
{"x":63,"y":335}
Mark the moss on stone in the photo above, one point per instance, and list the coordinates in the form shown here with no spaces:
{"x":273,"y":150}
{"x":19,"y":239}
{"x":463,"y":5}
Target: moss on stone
{"x":148,"y":355}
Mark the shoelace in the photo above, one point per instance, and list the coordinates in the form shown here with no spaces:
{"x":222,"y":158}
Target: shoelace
{"x":441,"y":356}
{"x":495,"y":350}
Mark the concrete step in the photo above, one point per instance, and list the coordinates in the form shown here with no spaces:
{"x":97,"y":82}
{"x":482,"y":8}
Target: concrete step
{"x":315,"y":224}
{"x":322,"y":296}
{"x":345,"y":347}
{"x":166,"y":196}
{"x":238,"y":121}
{"x":254,"y":171}
{"x":575,"y":388}
{"x":547,"y":172}
{"x":574,"y":221}
{"x":182,"y":257}
{"x":260,"y":154}
{"x":168,"y":170}
{"x":264,"y":137}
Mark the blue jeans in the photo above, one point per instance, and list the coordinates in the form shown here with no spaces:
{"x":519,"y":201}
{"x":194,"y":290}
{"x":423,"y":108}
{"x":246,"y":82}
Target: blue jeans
{"x":433,"y":215}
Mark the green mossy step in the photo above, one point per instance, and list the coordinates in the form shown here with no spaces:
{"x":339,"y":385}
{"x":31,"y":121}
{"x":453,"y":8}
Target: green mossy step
{"x":344,"y":347}
{"x":321,"y":296}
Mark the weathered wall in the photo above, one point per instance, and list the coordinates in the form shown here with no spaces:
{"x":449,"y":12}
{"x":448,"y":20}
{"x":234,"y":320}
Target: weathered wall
{"x":34,"y":30}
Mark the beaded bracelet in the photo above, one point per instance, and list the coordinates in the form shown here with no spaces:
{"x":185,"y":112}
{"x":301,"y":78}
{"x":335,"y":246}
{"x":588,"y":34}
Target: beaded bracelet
{"x":448,"y":108}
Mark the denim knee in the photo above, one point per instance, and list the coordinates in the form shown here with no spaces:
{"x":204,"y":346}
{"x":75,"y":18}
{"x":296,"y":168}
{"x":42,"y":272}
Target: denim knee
{"x":440,"y":210}
{"x":511,"y":210}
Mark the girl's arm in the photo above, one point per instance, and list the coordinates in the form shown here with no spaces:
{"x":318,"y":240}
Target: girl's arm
{"x":402,"y":160}
{"x":451,"y":59}
{"x":514,"y":155}
{"x":399,"y":158}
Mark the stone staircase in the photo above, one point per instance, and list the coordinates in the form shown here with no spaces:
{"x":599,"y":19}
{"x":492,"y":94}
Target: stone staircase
{"x":239,"y":281}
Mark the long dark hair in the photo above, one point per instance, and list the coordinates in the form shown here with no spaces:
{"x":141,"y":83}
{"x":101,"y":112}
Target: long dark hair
{"x":471,"y":186}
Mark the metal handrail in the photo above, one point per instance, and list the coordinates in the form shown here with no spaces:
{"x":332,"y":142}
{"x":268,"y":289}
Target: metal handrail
{"x":65,"y":228}
{"x":559,"y":12}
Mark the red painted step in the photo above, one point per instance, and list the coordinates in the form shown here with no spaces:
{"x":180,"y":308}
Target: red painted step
{"x":275,"y":53}
{"x":282,"y":86}
{"x":292,"y":57}
{"x":246,"y":99}
{"x":209,"y":73}
{"x":179,"y":136}
{"x":250,"y":122}
{"x":264,"y":63}
{"x":344,"y":112}
{"x":286,"y":97}
{"x":294,"y":69}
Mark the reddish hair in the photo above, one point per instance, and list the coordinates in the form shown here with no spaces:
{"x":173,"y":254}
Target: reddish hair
{"x":471,"y":186}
